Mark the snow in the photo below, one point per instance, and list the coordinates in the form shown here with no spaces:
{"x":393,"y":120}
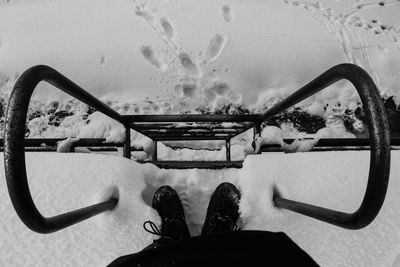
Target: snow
{"x":335,"y":180}
{"x":187,"y":56}
{"x":65,"y":145}
{"x":151,"y":56}
{"x":61,"y":182}
{"x":131,"y":50}
{"x":227,"y":13}
{"x":216,"y":46}
{"x":101,"y":126}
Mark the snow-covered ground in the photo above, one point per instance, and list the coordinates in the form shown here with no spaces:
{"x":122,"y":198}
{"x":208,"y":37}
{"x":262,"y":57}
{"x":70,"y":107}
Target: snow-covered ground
{"x":125,"y":50}
{"x":62,"y":182}
{"x":192,"y":56}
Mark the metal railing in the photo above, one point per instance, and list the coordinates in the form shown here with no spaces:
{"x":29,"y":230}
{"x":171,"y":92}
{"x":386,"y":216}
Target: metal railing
{"x":50,"y":145}
{"x":333,"y":144}
{"x":14,"y":154}
{"x":374,"y":110}
{"x":378,"y":129}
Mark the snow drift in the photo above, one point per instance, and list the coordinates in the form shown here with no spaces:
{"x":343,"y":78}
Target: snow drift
{"x":63,"y":182}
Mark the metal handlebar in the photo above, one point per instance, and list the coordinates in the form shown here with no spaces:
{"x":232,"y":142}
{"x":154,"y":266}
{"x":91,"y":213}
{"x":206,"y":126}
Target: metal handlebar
{"x":15,"y":158}
{"x":14,"y":154}
{"x":379,"y":136}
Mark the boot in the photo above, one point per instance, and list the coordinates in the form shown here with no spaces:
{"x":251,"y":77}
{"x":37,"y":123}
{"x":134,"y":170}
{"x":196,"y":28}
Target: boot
{"x":168,"y":205}
{"x":223,"y":210}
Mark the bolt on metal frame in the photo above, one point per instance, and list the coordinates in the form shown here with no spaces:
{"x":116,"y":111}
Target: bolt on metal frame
{"x":14,"y":154}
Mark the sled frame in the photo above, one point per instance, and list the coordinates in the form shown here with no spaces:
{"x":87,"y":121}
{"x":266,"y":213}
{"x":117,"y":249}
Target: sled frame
{"x":14,"y":149}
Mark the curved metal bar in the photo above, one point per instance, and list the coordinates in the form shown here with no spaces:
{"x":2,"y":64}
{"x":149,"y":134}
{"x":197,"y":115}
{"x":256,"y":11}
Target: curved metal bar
{"x":14,"y":156}
{"x":379,"y":136}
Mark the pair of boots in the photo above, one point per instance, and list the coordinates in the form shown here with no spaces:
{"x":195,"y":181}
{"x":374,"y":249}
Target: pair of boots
{"x":222,"y":213}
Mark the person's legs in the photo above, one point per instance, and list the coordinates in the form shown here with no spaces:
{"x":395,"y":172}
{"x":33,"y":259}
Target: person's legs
{"x":217,"y":240}
{"x":223,"y":210}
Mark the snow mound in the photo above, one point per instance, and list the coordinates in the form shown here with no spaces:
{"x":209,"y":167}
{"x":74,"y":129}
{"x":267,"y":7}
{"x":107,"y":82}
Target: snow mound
{"x":335,"y":180}
{"x":64,"y":182}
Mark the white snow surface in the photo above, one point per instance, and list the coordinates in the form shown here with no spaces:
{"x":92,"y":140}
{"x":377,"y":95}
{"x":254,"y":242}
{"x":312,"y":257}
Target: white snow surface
{"x":63,"y":182}
{"x":161,"y":56}
{"x":129,"y":50}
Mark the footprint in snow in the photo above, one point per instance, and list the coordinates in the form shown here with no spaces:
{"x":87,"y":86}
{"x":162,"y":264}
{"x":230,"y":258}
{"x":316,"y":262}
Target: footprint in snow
{"x":152,"y":57}
{"x":227,"y":13}
{"x":190,"y":68}
{"x":216,"y":46}
{"x":167,"y":28}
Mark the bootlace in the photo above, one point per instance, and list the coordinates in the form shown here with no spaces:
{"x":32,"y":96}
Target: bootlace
{"x":174,"y":224}
{"x":153,"y":228}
